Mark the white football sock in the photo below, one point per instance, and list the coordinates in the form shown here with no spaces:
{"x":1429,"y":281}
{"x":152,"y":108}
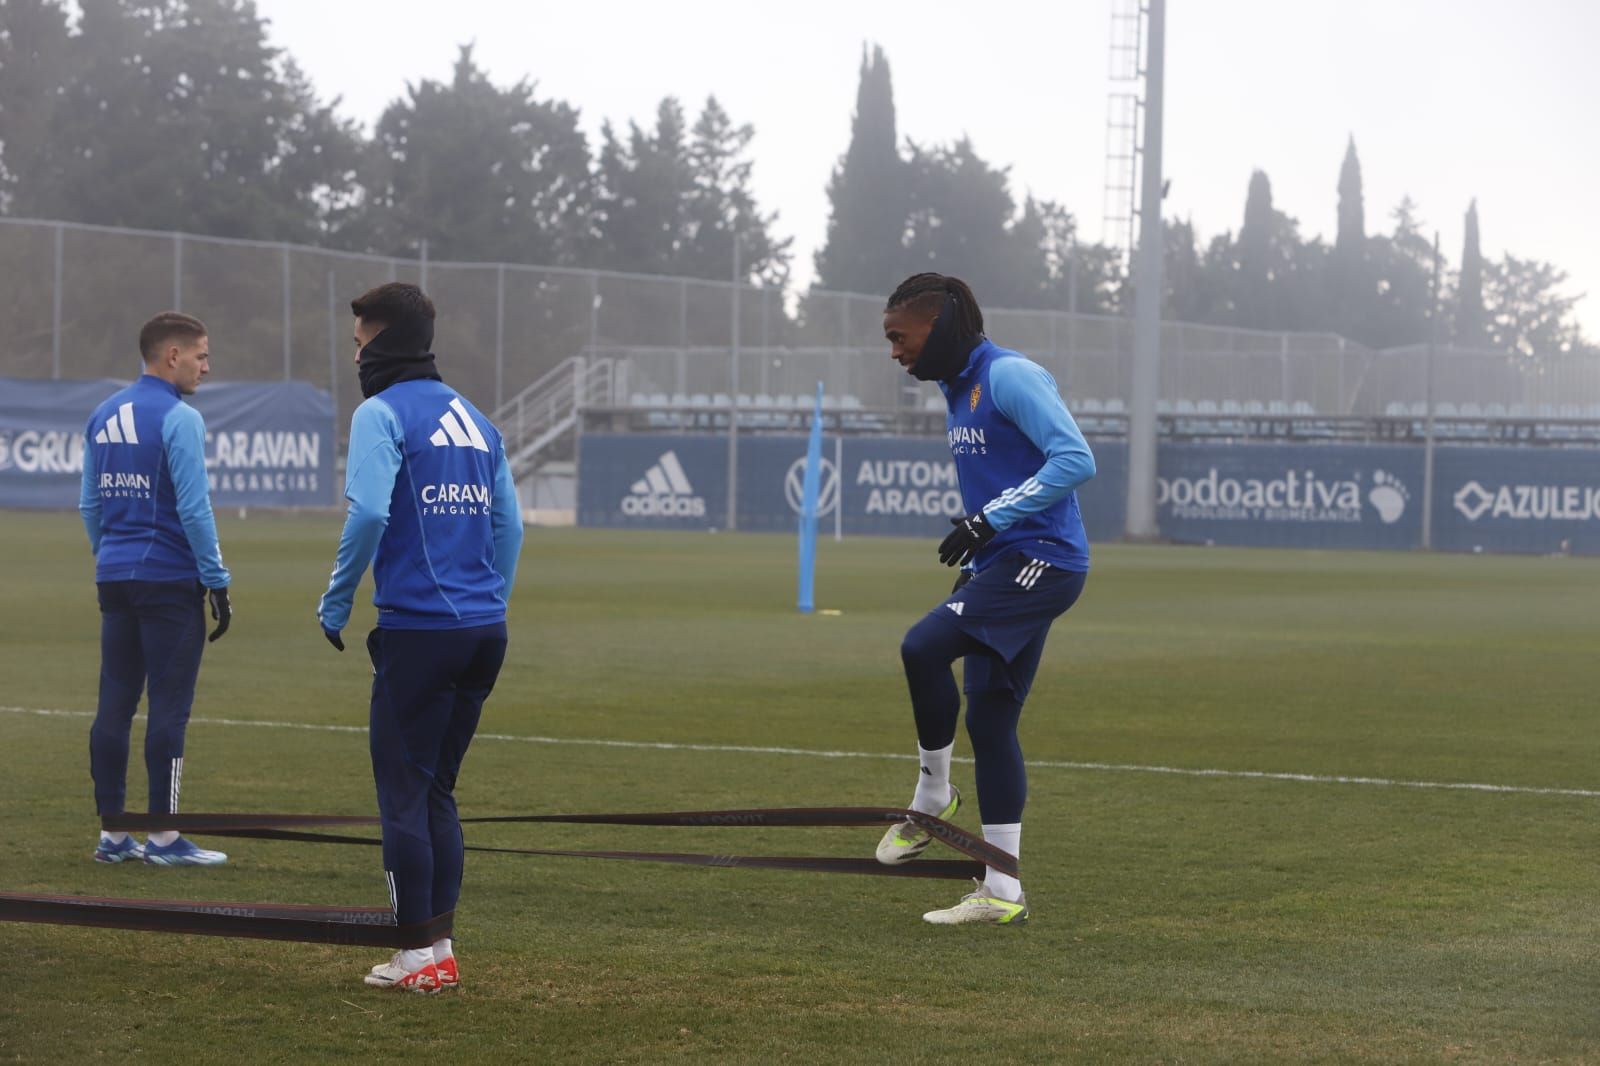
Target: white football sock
{"x":933,"y":780}
{"x":442,"y":950}
{"x":414,"y":959}
{"x":113,"y":838}
{"x":1006,"y":838}
{"x":164,"y":838}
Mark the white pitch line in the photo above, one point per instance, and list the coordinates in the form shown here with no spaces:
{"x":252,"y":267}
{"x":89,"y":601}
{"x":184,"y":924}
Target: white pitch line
{"x":750,"y":749}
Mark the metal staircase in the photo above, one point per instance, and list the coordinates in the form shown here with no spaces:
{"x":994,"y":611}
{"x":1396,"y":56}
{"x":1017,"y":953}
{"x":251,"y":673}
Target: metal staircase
{"x":544,"y":416}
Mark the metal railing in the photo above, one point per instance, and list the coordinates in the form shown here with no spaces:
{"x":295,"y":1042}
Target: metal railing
{"x":546,"y":413}
{"x":75,"y":296}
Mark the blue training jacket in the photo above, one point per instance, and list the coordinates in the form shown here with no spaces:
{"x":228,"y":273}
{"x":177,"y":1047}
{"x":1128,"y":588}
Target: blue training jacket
{"x":1019,"y":457}
{"x":145,"y":497}
{"x":433,"y":509}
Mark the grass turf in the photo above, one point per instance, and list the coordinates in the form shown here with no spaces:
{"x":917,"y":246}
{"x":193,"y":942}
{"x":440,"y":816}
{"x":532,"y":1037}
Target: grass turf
{"x":1177,"y":918}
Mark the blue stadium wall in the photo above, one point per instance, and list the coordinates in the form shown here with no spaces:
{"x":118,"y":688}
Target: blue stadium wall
{"x":1533,"y":500}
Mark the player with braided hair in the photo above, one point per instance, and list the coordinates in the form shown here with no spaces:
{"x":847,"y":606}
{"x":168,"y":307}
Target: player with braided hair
{"x":1019,"y":458}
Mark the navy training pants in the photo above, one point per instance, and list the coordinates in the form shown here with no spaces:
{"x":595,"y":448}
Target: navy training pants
{"x":428,"y":688}
{"x":151,"y":637}
{"x":997,"y":623}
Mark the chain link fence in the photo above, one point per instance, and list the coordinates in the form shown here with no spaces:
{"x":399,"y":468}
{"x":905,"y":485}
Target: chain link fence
{"x":77,"y":294}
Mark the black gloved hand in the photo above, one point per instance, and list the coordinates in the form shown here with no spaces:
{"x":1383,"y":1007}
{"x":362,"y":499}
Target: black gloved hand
{"x":221,"y":610}
{"x":334,"y":638}
{"x":969,"y":536}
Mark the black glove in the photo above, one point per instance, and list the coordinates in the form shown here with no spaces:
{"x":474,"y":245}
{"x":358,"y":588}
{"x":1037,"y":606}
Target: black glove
{"x":334,"y":638}
{"x":966,"y":540}
{"x":221,"y":610}
{"x":966,"y":575}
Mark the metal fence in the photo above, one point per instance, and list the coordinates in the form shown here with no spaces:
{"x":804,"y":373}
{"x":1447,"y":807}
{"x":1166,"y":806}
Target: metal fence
{"x":75,"y":295}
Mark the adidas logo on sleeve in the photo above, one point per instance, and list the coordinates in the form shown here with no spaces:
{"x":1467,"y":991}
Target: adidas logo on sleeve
{"x":664,"y":492}
{"x":119,"y":428}
{"x":458,"y":430}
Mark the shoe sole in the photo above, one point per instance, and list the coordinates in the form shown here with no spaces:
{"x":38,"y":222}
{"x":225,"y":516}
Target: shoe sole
{"x":903,"y":855}
{"x":1016,"y":919}
{"x":907,"y":854}
{"x":397,"y":986}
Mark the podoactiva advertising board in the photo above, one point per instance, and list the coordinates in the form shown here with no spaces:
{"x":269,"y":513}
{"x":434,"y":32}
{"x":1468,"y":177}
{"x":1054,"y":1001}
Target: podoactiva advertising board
{"x":268,"y":444}
{"x":1290,"y":495}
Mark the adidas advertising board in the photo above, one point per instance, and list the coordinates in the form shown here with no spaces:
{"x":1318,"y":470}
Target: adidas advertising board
{"x":651,"y":481}
{"x":267,"y":444}
{"x":664,"y":491}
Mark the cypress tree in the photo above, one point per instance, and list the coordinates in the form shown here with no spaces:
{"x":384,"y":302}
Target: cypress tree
{"x":1253,"y":296}
{"x":1352,"y":212}
{"x":1470,"y":320}
{"x":867,"y":193}
{"x":1348,"y":272}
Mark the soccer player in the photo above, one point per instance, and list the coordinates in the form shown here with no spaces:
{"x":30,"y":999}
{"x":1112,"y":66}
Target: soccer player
{"x":434,"y":509}
{"x":1019,"y":457}
{"x":146,"y":504}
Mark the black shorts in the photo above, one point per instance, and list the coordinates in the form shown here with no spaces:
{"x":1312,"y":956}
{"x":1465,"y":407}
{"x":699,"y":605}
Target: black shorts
{"x":1008,"y":608}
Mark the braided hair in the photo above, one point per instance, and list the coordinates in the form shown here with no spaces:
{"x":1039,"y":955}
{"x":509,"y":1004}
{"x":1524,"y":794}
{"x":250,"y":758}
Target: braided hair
{"x":927,"y":292}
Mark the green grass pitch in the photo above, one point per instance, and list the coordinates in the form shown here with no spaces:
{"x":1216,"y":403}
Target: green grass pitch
{"x":1177,"y":918}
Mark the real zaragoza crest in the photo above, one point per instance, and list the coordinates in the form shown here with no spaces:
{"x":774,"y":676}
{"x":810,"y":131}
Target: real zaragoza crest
{"x":977,"y":391}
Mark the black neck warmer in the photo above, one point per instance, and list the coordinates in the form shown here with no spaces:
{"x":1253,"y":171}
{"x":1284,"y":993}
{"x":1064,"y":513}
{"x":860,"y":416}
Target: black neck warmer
{"x":945,"y":353}
{"x":399,"y":353}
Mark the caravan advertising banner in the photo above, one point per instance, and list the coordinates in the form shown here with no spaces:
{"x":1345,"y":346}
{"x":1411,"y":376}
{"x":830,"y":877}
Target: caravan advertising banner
{"x":1301,"y":496}
{"x":41,"y":439}
{"x":1517,"y":500}
{"x":267,"y":444}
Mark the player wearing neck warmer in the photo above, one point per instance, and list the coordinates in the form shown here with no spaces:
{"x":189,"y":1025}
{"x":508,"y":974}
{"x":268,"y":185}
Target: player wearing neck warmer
{"x":433,"y":509}
{"x":1019,"y":457}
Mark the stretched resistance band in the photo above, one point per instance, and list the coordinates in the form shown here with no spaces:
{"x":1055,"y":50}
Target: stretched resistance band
{"x":948,"y":869}
{"x":375,"y":927}
{"x":348,"y":926}
{"x":285,"y":827}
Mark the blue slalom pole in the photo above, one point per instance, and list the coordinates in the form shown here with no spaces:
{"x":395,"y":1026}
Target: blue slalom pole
{"x":810,"y":487}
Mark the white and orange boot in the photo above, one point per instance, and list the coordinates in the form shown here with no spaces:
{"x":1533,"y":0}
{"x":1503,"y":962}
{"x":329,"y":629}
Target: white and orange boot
{"x":395,"y":974}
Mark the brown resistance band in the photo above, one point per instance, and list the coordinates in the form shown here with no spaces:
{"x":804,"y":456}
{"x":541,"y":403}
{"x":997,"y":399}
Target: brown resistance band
{"x":375,"y":927}
{"x":271,"y":826}
{"x":372,"y":927}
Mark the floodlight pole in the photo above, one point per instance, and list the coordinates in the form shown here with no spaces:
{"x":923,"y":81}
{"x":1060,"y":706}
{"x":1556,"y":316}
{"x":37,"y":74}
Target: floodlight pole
{"x":55,"y":307}
{"x":288,"y":316}
{"x":1427,"y":448}
{"x":333,"y":373}
{"x":732,"y":520}
{"x":1147,"y":289}
{"x":499,"y":334}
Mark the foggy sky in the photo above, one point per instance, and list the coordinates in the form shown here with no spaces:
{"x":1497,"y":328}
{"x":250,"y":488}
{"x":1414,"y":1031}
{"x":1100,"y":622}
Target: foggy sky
{"x":1446,"y":100}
